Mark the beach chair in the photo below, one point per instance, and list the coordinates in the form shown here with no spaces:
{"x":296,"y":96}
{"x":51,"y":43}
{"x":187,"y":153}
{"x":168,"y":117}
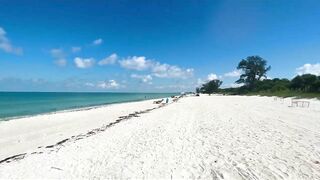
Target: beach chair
{"x":300,"y":103}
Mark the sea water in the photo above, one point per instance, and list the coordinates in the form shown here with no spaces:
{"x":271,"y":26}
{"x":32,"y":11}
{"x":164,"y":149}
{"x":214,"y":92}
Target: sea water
{"x":20,"y":104}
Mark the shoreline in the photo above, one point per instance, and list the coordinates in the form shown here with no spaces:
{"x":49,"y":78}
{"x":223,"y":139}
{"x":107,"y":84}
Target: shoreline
{"x":74,"y":138}
{"x":72,"y":109}
{"x":28,"y":133}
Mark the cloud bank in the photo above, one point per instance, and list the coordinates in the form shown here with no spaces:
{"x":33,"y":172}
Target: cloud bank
{"x":136,"y":63}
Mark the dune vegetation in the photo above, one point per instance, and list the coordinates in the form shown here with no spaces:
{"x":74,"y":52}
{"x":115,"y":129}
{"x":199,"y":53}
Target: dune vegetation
{"x":254,"y":81}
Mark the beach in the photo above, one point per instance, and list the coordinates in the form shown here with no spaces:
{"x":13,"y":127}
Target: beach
{"x":20,"y":135}
{"x":206,"y":137}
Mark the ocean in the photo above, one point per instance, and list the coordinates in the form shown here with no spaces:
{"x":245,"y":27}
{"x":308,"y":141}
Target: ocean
{"x":20,"y":104}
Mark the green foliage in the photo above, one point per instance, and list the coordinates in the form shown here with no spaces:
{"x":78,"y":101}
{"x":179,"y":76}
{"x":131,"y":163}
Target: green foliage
{"x":254,"y":68}
{"x":210,"y":87}
{"x":296,"y":83}
{"x":272,"y":85}
{"x":229,"y":91}
{"x":197,"y":90}
{"x":301,"y":86}
{"x":306,"y":83}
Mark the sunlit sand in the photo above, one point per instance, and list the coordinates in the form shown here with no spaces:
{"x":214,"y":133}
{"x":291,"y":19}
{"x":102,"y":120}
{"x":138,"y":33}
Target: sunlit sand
{"x":219,"y":137}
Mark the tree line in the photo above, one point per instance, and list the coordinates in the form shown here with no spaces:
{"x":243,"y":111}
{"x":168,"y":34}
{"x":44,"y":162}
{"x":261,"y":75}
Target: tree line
{"x":254,"y":80}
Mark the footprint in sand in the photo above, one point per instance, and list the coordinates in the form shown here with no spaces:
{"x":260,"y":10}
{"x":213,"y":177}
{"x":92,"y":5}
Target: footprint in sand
{"x":287,"y":145}
{"x":305,"y":170}
{"x":266,"y":173}
{"x":282,"y":167}
{"x":317,"y":148}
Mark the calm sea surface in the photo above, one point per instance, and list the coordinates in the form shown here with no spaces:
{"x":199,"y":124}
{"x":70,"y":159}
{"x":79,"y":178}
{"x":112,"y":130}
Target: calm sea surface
{"x":18,"y":104}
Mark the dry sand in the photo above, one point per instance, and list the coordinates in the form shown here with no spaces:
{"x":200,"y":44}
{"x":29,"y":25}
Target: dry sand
{"x":209,"y":137}
{"x":26,"y":134}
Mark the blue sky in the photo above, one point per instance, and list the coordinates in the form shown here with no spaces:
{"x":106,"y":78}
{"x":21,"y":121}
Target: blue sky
{"x":154,"y":46}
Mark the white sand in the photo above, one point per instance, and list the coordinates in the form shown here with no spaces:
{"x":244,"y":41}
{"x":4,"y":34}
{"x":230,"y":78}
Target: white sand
{"x":210,"y":137}
{"x":26,"y":134}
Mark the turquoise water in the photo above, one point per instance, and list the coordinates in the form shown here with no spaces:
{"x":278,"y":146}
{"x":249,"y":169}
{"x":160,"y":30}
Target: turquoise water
{"x":18,"y":104}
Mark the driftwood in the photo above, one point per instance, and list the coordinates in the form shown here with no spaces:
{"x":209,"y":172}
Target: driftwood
{"x":13,"y":158}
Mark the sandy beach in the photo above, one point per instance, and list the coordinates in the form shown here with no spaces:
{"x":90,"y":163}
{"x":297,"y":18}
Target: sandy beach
{"x":26,"y":134}
{"x":207,"y":137}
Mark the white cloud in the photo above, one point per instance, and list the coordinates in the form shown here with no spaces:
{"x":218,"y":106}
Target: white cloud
{"x":236,"y":85}
{"x":141,"y":63}
{"x":59,"y":57}
{"x":84,"y":62}
{"x":234,"y":73}
{"x":6,"y":45}
{"x":136,"y":63}
{"x":232,"y":85}
{"x":111,"y":84}
{"x":263,"y":78}
{"x":309,"y":69}
{"x":170,"y":71}
{"x":212,"y":77}
{"x":200,"y":82}
{"x":75,"y":49}
{"x":97,"y":41}
{"x":143,"y":78}
{"x":109,"y":60}
{"x":88,"y":84}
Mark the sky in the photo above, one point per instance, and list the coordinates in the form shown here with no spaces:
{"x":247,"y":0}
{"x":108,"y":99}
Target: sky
{"x":151,"y":46}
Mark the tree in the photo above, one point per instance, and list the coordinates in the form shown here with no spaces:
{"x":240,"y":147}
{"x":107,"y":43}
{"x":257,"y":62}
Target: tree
{"x":305,"y":82}
{"x":296,"y":83}
{"x":308,"y":81}
{"x":254,"y":68}
{"x":316,"y":86}
{"x":211,"y":86}
{"x":197,"y":90}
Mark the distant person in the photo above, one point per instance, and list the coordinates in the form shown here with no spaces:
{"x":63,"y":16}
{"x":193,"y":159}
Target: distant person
{"x":167,"y":100}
